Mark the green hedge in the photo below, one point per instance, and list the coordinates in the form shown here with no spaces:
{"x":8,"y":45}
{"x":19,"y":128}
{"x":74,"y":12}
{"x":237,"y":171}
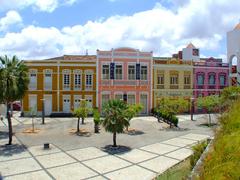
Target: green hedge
{"x":223,"y":160}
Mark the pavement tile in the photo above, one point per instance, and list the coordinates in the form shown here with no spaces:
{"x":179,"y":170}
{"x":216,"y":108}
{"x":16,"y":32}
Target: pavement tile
{"x":159,"y":164}
{"x":133,"y":172}
{"x":75,"y":171}
{"x":179,"y":142}
{"x":136,"y":156}
{"x":57,"y":159}
{"x":159,"y":148}
{"x":86,"y":153}
{"x":196,"y":137}
{"x":180,"y":154}
{"x":106,"y":164}
{"x":18,"y":166}
{"x":38,"y":150}
{"x":97,"y":178}
{"x":38,"y":175}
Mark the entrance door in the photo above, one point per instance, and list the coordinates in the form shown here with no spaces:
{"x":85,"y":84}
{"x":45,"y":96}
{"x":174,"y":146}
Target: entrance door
{"x":48,"y":104}
{"x":33,"y":102}
{"x":66,"y":104}
{"x":77,"y":100}
{"x":144,"y":102}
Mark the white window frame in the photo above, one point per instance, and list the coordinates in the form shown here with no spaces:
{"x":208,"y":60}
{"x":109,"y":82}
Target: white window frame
{"x":174,"y":79}
{"x":118,"y":94}
{"x":134,"y":76}
{"x":66,"y":86}
{"x":108,"y":94}
{"x":143,"y":77}
{"x":87,"y":98}
{"x":32,"y":84}
{"x":48,"y":86}
{"x":104,"y":77}
{"x":78,"y":98}
{"x":78,"y":73}
{"x":118,"y":76}
{"x":144,"y":93}
{"x":35,"y":97}
{"x":90,"y":74}
{"x":131,"y":94}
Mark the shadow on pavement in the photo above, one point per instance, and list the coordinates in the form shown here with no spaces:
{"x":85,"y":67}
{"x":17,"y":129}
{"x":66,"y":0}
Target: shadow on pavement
{"x":116,"y":150}
{"x":9,"y":150}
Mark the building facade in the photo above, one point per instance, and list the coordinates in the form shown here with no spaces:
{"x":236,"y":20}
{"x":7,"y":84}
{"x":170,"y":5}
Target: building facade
{"x":125,"y":73}
{"x":171,"y":78}
{"x":60,"y":83}
{"x":210,"y":77}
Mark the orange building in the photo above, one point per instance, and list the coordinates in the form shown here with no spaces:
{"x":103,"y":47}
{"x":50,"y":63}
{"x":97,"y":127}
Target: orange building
{"x":60,"y":83}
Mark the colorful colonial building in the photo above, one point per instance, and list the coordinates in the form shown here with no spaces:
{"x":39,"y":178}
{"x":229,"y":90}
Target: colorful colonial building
{"x":171,"y":78}
{"x":60,"y":83}
{"x":210,"y":77}
{"x":125,"y":73}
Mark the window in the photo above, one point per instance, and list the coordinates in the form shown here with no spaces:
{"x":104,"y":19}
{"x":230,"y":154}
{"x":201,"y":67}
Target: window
{"x":187,"y":79}
{"x":119,"y":96}
{"x":131,"y":99}
{"x":32,"y":79}
{"x":66,"y":80}
{"x":160,"y":79}
{"x":77,"y":79}
{"x":143,"y":72}
{"x":174,"y":79}
{"x":200,"y":79}
{"x":105,"y":72}
{"x":89,"y":80}
{"x":118,"y":71}
{"x":131,"y":72}
{"x":48,"y":79}
{"x":211,"y":79}
{"x":222,"y":80}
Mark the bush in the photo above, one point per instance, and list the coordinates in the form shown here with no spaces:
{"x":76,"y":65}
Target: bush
{"x":197,"y":152}
{"x":174,"y":120}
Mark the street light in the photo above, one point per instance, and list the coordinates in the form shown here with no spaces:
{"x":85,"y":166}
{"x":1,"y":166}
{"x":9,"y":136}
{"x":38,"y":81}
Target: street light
{"x":192,"y":107}
{"x":43,"y":110}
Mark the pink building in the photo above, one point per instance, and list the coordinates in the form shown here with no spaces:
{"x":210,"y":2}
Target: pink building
{"x":125,"y":73}
{"x":210,"y":77}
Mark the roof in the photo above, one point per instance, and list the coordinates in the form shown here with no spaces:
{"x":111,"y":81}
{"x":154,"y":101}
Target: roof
{"x":74,"y":57}
{"x":190,"y":45}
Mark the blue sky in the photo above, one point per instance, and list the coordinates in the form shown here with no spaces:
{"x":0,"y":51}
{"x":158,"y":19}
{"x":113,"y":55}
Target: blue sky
{"x":35,"y":29}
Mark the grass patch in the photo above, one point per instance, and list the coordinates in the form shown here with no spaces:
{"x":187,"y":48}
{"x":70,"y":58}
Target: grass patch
{"x":177,"y":172}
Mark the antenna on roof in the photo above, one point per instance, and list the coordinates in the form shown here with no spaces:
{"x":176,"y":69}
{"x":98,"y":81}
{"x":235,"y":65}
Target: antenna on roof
{"x":86,"y":52}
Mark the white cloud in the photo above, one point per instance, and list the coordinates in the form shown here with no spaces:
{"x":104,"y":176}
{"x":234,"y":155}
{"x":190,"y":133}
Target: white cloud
{"x":40,"y":5}
{"x":161,"y":30}
{"x":11,"y":18}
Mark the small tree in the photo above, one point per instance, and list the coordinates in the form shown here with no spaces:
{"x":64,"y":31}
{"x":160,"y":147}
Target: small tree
{"x":115,"y":118}
{"x":33,"y":113}
{"x":132,"y":111}
{"x":96,"y":119}
{"x":210,"y":103}
{"x":81,"y":112}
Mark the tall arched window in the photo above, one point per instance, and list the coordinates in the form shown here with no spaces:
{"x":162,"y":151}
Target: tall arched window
{"x":211,"y":78}
{"x":200,"y":79}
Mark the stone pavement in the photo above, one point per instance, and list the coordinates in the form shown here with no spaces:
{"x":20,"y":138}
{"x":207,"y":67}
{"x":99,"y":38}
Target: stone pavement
{"x":20,"y":162}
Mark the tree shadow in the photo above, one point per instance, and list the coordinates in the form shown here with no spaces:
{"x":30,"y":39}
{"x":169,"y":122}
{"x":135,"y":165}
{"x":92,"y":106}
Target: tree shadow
{"x":207,"y":125}
{"x":9,"y":150}
{"x":3,"y":135}
{"x":134,"y":132}
{"x":116,"y":150}
{"x":179,"y":129}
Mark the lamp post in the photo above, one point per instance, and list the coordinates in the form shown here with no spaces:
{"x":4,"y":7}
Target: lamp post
{"x":192,"y":107}
{"x":43,"y":111}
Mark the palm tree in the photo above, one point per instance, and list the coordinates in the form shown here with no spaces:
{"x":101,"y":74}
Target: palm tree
{"x":132,"y":111}
{"x":81,"y":113}
{"x":115,"y":118}
{"x":14,"y":81}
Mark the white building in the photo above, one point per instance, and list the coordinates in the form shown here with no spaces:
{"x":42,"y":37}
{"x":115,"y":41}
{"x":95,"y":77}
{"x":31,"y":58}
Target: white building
{"x":190,"y":53}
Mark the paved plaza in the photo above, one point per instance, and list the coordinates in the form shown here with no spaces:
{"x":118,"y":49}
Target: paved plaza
{"x":80,"y":158}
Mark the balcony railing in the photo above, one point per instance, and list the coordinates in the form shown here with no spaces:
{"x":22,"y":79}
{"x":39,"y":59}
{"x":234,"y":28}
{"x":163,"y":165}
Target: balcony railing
{"x":173,"y":86}
{"x":211,"y":86}
{"x":160,"y":86}
{"x":200,"y":86}
{"x":187,"y":86}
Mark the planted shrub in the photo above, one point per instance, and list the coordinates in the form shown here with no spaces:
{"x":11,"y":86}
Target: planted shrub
{"x":197,"y":152}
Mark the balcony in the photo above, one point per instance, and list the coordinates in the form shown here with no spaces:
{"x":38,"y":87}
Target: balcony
{"x":160,"y":86}
{"x":187,"y":86}
{"x":200,"y":86}
{"x":173,"y":86}
{"x":124,"y":82}
{"x":212,"y":86}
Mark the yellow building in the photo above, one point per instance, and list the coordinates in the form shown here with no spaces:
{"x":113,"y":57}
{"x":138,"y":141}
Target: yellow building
{"x":60,"y":83}
{"x":171,"y":78}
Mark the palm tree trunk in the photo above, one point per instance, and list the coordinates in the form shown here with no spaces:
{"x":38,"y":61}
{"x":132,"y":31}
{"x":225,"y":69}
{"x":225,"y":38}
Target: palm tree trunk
{"x":114,"y":139}
{"x":32,"y":125}
{"x":209,"y":115}
{"x":78,"y":122}
{"x":9,"y":126}
{"x":82,"y":120}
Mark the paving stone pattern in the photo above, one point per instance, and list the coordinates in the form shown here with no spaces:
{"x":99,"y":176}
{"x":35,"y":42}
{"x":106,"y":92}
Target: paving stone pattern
{"x":93,"y":163}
